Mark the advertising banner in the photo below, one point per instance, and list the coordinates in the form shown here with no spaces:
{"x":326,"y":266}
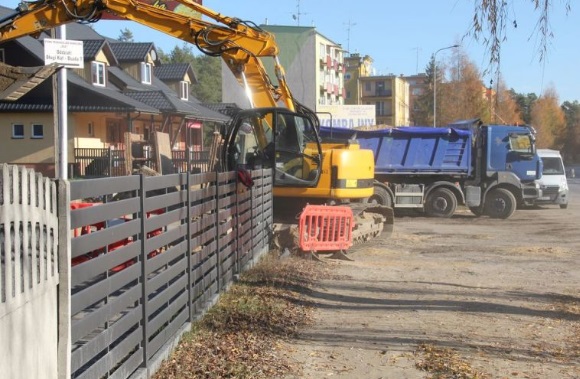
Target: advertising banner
{"x":346,"y":116}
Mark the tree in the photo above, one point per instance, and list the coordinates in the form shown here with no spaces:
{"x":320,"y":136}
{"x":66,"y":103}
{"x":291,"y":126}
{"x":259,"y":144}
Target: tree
{"x":571,"y":144}
{"x":504,"y":108}
{"x":492,"y":18}
{"x":208,"y":88}
{"x":126,"y":35}
{"x":464,"y":96}
{"x":549,"y":120}
{"x":422,"y":114}
{"x":209,"y":74}
{"x":525,"y":103}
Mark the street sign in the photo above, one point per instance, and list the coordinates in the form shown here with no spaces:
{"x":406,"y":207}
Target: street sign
{"x":67,"y":53}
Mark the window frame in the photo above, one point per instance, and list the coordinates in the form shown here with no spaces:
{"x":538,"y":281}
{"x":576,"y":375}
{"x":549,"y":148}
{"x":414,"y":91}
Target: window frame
{"x":146,"y":73}
{"x":184,"y":90}
{"x":33,"y":134}
{"x":17,"y":136}
{"x":95,"y":65}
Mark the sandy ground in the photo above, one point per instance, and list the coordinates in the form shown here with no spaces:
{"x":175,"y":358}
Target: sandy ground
{"x":504,"y":294}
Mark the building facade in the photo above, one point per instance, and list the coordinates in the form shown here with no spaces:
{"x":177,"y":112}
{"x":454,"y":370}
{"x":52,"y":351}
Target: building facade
{"x":313,"y":64}
{"x":418,"y":86}
{"x":388,"y":93}
{"x":117,"y":92}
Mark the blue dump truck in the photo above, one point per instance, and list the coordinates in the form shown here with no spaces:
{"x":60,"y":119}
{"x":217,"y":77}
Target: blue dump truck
{"x":489,"y":168}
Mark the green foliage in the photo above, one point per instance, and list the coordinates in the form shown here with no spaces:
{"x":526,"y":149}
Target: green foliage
{"x":571,"y":142}
{"x":209,"y":79}
{"x":525,"y":103}
{"x":422,"y":114}
{"x":208,"y":88}
{"x":126,"y":35}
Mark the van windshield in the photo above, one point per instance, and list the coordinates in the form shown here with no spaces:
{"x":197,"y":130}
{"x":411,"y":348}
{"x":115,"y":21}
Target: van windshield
{"x":552,"y":166}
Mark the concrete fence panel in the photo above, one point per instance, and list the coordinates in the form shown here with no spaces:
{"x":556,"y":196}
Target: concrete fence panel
{"x":28,"y":274}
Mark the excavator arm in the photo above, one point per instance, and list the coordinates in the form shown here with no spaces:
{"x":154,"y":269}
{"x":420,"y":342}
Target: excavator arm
{"x":240,"y":44}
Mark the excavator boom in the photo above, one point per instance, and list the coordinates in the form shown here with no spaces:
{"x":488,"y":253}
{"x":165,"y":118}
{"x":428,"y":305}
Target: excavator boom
{"x":240,"y":44}
{"x":277,"y":132}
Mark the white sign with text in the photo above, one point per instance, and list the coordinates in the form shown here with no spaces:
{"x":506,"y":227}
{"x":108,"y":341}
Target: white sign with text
{"x":67,"y":53}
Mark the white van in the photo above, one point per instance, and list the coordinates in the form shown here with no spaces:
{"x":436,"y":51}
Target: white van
{"x":553,"y":182}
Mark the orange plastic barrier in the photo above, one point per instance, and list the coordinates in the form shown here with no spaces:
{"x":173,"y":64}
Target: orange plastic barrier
{"x":325,"y":228}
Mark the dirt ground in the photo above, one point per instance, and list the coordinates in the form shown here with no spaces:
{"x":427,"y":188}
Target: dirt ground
{"x":502,"y":294}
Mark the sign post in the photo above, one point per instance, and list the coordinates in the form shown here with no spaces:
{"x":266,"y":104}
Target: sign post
{"x":68,"y":54}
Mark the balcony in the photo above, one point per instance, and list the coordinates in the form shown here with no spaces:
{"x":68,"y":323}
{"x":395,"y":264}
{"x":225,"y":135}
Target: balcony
{"x":383,"y":93}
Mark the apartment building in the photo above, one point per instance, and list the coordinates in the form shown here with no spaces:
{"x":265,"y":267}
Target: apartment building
{"x":388,"y":93}
{"x":418,"y":86}
{"x":313,"y":63}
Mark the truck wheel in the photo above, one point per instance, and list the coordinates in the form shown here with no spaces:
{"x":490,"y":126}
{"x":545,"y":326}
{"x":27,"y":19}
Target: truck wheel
{"x":381,"y":197}
{"x":441,"y":202}
{"x":477,"y":211}
{"x":500,"y":203}
{"x":563,"y":206}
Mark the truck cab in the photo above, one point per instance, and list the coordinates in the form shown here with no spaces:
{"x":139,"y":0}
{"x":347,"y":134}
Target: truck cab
{"x":511,"y":158}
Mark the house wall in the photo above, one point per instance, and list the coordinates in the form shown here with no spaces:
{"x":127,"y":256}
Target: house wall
{"x":86,"y":72}
{"x":36,"y":153}
{"x":93,"y":136}
{"x":27,"y":149}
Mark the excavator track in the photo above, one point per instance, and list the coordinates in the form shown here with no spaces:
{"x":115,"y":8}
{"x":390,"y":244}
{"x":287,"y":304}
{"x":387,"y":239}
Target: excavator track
{"x":370,"y":221}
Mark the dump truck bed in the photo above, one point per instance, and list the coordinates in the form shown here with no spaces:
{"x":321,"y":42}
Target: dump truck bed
{"x":413,"y":150}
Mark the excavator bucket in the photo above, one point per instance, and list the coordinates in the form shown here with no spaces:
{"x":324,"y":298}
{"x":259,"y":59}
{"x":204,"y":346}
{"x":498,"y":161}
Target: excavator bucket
{"x":15,"y":82}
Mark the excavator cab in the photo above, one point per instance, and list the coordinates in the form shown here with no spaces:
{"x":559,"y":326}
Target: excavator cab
{"x":275,"y":138}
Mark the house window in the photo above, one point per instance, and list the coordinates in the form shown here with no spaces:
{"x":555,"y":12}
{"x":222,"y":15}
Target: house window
{"x":145,"y":73}
{"x":37,"y":131}
{"x":2,"y":58}
{"x":184,"y":90}
{"x":380,"y":108}
{"x":98,"y":73}
{"x":17,"y":131}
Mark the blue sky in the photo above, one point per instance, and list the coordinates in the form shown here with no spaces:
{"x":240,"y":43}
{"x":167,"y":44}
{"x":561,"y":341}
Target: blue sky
{"x":402,"y":35}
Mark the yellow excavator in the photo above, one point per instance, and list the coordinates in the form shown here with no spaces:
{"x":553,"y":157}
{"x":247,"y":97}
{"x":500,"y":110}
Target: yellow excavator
{"x":276,"y":132}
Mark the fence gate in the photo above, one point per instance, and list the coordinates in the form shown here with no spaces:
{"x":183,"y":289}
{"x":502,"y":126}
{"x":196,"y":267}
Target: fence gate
{"x":28,"y":274}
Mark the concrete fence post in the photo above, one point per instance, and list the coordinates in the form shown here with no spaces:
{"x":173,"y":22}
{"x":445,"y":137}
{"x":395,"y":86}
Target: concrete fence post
{"x":64,"y":287}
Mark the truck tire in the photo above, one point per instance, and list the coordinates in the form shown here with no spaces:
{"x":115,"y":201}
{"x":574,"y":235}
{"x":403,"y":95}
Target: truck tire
{"x":477,"y":211}
{"x":380,"y":196}
{"x":563,"y":206}
{"x":500,"y":203}
{"x":441,"y":202}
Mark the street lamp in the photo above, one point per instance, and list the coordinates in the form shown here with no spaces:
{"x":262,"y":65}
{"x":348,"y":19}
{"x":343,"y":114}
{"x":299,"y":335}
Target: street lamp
{"x":435,"y":82}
